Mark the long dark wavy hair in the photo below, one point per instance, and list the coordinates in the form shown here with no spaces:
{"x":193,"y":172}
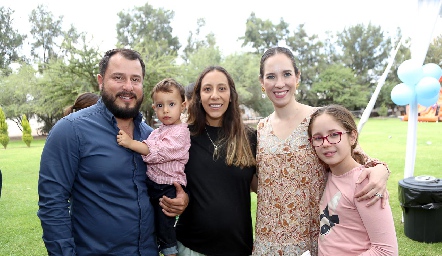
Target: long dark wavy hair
{"x":234,"y":134}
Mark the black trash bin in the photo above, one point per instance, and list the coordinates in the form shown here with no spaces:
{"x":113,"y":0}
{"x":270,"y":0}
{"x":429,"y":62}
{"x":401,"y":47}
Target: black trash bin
{"x":421,"y":201}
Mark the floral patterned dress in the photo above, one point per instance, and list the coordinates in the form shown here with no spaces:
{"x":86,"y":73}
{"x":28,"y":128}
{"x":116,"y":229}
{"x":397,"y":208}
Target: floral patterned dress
{"x":291,"y":180}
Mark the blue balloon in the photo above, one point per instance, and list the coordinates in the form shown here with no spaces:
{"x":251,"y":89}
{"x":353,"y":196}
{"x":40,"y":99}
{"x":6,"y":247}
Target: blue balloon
{"x":402,"y":94}
{"x":427,"y":102}
{"x":427,"y":88}
{"x":410,"y":72}
{"x":432,"y":70}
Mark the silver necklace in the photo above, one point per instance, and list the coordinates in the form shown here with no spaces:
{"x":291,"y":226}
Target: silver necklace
{"x":215,"y":152}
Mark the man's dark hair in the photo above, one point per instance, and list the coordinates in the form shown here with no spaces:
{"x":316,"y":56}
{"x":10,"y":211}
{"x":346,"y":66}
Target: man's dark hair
{"x":127,"y":53}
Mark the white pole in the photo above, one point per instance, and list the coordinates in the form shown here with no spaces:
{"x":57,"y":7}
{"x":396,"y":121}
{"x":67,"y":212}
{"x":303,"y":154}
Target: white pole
{"x":375,"y":94}
{"x":427,"y":15}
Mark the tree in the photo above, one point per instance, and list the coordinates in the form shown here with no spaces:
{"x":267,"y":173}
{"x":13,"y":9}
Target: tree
{"x":10,"y":40}
{"x":339,"y":85}
{"x":263,"y":34}
{"x":17,"y":93}
{"x":27,"y":131}
{"x":82,"y":59}
{"x":46,"y":30}
{"x":330,"y":50}
{"x":198,"y":60}
{"x":383,"y":110}
{"x":364,"y":50}
{"x":157,"y":68}
{"x":193,"y":43}
{"x":148,"y":31}
{"x":308,"y":51}
{"x":57,"y":87}
{"x":384,"y":97}
{"x":434,"y":54}
{"x":149,"y":27}
{"x":4,"y":136}
{"x":244,"y":69}
{"x":63,"y":79}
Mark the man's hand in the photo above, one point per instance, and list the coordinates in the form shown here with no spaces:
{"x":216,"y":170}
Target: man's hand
{"x":176,"y":206}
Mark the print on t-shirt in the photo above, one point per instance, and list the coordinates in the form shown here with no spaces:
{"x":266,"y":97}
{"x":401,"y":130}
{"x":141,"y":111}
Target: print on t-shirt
{"x":329,"y":220}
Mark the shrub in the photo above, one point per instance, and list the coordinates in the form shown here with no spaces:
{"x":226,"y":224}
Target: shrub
{"x":4,"y":136}
{"x":27,"y":136}
{"x":383,"y":110}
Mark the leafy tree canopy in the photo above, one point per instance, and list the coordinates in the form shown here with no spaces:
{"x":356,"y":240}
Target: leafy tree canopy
{"x":10,"y":40}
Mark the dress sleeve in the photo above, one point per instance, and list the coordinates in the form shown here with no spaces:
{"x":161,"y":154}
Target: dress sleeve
{"x":58,"y":165}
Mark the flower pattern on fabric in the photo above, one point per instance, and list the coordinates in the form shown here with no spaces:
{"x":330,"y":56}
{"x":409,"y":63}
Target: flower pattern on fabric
{"x":291,"y":180}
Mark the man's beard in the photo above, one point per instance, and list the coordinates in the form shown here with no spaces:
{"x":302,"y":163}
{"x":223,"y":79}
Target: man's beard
{"x":121,"y":112}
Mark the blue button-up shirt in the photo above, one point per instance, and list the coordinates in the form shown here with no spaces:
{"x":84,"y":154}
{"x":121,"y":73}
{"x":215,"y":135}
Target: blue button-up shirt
{"x":92,"y":192}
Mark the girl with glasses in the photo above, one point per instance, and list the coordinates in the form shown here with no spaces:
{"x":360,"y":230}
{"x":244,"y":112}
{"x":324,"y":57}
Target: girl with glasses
{"x":347,"y":226}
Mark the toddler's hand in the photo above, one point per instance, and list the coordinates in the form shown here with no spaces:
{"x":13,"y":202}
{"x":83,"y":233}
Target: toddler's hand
{"x":123,"y":139}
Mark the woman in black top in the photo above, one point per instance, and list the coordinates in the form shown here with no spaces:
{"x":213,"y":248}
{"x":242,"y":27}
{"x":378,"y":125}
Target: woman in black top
{"x":220,"y":171}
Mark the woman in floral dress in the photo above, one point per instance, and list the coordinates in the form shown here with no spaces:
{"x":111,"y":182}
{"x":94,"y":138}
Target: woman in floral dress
{"x":291,"y":178}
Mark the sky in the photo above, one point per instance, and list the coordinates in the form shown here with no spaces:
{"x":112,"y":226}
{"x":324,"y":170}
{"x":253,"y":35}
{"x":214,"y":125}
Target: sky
{"x":226,"y":19}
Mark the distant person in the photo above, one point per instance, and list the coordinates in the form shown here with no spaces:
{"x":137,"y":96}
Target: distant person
{"x":348,"y":226}
{"x":83,"y":100}
{"x":188,"y":93}
{"x":93,"y":195}
{"x":1,"y":183}
{"x":166,"y":152}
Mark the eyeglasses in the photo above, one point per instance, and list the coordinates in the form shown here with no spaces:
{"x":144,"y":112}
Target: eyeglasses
{"x":332,"y":138}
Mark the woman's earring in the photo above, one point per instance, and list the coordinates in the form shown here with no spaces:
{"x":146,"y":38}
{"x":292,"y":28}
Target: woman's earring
{"x":296,"y":88}
{"x":263,"y":95}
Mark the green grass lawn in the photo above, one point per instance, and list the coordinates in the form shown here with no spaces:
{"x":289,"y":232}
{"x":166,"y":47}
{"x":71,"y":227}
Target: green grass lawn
{"x":385,"y":139}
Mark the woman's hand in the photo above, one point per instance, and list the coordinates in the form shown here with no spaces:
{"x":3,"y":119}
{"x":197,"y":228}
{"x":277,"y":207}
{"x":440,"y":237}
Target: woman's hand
{"x":176,"y":206}
{"x":376,"y":189}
